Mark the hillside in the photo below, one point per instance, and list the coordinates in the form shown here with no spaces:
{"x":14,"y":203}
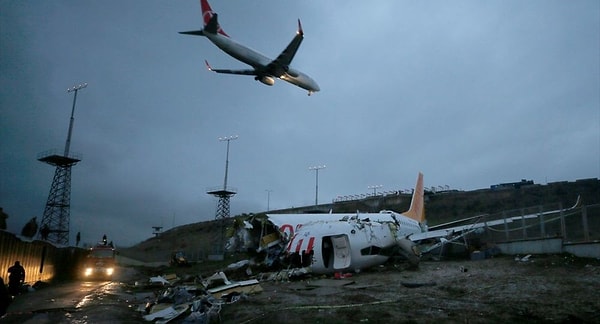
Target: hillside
{"x":198,"y":239}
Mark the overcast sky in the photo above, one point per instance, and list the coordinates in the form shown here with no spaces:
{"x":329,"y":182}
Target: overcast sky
{"x":471,"y":93}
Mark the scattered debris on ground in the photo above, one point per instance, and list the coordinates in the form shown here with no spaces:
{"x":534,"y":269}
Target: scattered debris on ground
{"x":524,"y":288}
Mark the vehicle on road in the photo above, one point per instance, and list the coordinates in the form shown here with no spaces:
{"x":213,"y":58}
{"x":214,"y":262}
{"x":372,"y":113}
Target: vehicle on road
{"x":179,"y":259}
{"x":100,"y":262}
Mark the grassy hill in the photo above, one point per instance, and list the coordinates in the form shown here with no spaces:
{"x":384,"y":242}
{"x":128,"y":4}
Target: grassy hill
{"x":199,"y":239}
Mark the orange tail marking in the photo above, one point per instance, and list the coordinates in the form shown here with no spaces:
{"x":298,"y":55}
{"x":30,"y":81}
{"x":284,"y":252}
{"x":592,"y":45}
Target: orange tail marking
{"x":417,"y":205}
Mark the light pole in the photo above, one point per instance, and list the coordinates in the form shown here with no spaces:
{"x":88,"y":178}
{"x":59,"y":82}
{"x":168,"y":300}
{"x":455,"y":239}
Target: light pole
{"x":268,"y":198}
{"x":73,"y":89}
{"x":375,"y":187}
{"x":228,"y":139}
{"x":316,"y":169}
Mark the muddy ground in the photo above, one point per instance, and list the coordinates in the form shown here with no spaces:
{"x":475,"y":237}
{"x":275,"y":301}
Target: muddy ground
{"x":555,"y":288}
{"x":558,"y":288}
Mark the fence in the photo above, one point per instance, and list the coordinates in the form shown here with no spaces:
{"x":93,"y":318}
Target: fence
{"x":576,"y":225}
{"x":42,"y":261}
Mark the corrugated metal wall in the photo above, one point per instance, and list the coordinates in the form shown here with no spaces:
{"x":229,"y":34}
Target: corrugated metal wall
{"x":42,"y":261}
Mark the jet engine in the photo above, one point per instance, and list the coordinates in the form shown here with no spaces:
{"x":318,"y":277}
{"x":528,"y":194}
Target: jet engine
{"x":410,"y":251}
{"x":266,"y":80}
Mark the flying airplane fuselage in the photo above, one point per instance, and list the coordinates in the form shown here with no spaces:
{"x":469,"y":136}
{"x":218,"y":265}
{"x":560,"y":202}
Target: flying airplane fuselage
{"x":260,"y":62}
{"x":238,"y":51}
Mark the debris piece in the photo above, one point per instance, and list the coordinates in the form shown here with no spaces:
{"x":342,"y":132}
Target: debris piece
{"x":268,"y":241}
{"x":329,"y":283}
{"x":216,"y":280}
{"x":248,"y":287}
{"x":418,"y":284}
{"x":298,"y":272}
{"x":238,"y":265}
{"x":167,"y":314}
{"x":339,"y":275}
{"x":158,"y":280}
{"x":525,"y":258}
{"x":364,"y":286}
{"x":477,"y":256}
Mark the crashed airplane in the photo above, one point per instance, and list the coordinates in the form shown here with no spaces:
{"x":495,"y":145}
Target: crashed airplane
{"x":344,"y":242}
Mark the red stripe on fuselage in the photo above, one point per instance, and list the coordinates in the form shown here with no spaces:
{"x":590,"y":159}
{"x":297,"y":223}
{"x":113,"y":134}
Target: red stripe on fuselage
{"x":311,"y":243}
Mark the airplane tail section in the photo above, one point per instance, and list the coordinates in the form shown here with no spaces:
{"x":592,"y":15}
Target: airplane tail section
{"x":417,"y":204}
{"x":210,"y":25}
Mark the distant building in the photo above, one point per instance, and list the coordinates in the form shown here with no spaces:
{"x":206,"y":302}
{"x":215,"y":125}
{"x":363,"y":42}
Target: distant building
{"x":512,"y":185}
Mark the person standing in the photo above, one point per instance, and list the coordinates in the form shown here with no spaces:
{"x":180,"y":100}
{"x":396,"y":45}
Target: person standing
{"x":16,"y":278}
{"x":45,"y":231}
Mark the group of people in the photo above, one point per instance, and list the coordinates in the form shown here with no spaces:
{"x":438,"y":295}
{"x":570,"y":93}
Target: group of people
{"x":16,"y":278}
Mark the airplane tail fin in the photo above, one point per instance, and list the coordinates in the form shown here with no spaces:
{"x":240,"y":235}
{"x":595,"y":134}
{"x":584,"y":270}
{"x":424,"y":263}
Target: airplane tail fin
{"x":209,"y":23}
{"x":417,"y":204}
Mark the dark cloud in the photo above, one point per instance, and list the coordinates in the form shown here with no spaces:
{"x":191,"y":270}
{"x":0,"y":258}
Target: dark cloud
{"x":471,"y":93}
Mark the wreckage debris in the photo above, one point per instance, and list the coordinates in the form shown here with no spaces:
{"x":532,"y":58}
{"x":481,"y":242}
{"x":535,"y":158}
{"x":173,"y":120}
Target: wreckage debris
{"x":201,"y":299}
{"x":167,"y":314}
{"x":418,"y":284}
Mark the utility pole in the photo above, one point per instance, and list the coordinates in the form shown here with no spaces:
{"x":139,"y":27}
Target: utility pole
{"x":316,"y":169}
{"x":268,"y":198}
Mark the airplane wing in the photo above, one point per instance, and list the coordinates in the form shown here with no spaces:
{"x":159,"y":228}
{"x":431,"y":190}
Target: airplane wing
{"x":280,"y":65}
{"x":242,"y":72}
{"x":451,"y":234}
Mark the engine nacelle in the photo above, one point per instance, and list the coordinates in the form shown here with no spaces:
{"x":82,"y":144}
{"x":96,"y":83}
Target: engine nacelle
{"x":410,"y":251}
{"x":293,"y":73}
{"x":266,"y":80}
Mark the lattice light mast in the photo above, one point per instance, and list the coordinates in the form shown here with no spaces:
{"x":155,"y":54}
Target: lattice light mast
{"x":225,"y":192}
{"x":222,"y":214}
{"x":55,"y":222}
{"x":374,"y":187}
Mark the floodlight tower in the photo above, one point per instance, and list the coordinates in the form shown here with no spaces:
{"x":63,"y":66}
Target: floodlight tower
{"x":225,"y":192}
{"x":57,"y":211}
{"x":316,"y":169}
{"x":375,"y":187}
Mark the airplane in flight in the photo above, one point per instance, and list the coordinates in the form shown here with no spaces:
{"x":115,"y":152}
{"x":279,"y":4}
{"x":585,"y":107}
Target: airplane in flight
{"x":264,"y":69}
{"x":342,"y":242}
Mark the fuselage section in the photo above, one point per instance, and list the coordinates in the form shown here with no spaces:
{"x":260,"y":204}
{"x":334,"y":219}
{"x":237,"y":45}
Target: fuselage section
{"x":336,"y":246}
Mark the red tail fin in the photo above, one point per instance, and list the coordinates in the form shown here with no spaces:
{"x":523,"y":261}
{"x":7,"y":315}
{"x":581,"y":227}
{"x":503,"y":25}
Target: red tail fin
{"x":207,"y":14}
{"x":417,"y":204}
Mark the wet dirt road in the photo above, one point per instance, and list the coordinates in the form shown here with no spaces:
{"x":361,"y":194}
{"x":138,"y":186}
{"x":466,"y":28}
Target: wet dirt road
{"x":76,"y":302}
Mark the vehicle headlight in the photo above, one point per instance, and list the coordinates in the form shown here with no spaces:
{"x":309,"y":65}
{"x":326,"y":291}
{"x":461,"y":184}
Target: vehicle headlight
{"x":88,"y":271}
{"x":110,"y":271}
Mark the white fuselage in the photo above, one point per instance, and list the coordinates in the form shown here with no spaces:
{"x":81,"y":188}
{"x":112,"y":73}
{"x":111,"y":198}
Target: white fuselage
{"x":328,"y":246}
{"x":259,"y":61}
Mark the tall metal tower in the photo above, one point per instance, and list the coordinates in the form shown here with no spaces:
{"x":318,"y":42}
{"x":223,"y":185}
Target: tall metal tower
{"x":224,"y":193}
{"x":57,"y":212}
{"x":222,"y":214}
